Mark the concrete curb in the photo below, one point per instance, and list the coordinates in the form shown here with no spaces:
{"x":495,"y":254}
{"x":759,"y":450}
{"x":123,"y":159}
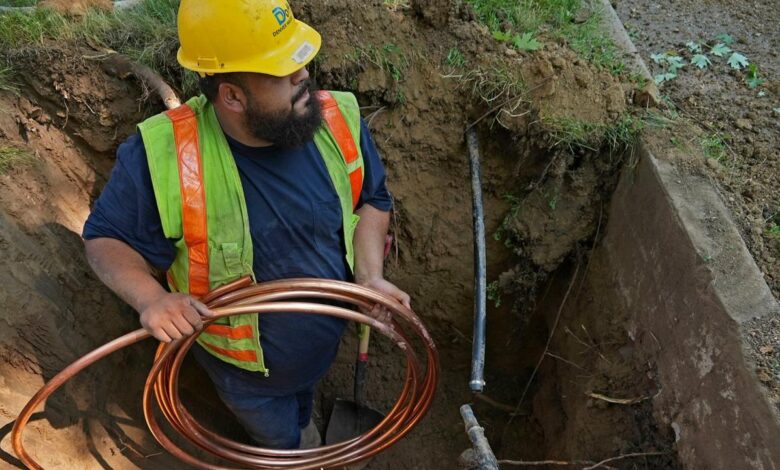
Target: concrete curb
{"x":690,"y":285}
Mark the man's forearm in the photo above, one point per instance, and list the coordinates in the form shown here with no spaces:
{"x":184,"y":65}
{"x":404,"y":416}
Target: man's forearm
{"x":124,"y":271}
{"x":369,"y":243}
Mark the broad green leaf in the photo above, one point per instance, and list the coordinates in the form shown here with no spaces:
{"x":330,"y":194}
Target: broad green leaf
{"x":701,"y":61}
{"x":664,"y":77}
{"x":694,"y":47}
{"x":737,"y":61}
{"x":776,"y":110}
{"x":725,"y":38}
{"x":658,"y":58}
{"x":720,"y":49}
{"x":675,"y":63}
{"x":502,"y":36}
{"x":527,"y":42}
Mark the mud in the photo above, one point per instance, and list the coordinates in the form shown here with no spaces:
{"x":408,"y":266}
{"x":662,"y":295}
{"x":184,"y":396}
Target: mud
{"x":545,"y":202}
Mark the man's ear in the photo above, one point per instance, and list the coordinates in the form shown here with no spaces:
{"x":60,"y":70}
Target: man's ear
{"x":232,"y":97}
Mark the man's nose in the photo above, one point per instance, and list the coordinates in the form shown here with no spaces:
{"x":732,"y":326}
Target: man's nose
{"x":300,"y":76}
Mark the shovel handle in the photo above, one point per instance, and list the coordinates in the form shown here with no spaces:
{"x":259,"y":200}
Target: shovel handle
{"x":360,"y":364}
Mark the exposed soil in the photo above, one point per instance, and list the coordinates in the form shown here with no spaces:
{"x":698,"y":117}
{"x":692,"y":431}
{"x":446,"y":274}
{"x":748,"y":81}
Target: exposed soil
{"x":718,"y":101}
{"x":72,"y":115}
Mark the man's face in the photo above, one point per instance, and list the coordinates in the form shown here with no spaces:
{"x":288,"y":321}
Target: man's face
{"x":282,"y":110}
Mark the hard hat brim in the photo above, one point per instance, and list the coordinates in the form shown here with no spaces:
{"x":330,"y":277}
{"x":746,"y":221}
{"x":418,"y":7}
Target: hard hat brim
{"x":302,"y":46}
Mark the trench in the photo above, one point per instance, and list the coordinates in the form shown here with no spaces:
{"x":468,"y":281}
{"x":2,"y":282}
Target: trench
{"x":96,"y":421}
{"x":612,"y":255}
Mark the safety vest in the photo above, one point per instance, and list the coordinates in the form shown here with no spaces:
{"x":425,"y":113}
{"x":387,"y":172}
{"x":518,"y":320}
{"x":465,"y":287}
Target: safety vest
{"x":202,"y":206}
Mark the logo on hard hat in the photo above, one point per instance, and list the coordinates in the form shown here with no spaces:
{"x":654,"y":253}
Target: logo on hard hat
{"x":280,"y":14}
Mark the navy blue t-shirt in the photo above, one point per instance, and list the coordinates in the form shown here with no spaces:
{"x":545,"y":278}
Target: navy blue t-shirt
{"x":296,"y":227}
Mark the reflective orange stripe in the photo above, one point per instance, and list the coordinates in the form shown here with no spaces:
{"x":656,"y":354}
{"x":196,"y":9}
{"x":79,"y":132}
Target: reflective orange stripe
{"x":356,"y":181}
{"x":340,"y":130}
{"x":239,"y":332}
{"x":193,"y":197}
{"x":239,"y":355}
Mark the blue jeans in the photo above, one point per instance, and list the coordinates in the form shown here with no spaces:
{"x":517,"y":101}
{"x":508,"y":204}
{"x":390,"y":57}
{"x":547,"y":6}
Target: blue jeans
{"x":273,"y":422}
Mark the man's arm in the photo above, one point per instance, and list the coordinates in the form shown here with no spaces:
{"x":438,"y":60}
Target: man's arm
{"x":167,"y":316}
{"x":369,"y":244}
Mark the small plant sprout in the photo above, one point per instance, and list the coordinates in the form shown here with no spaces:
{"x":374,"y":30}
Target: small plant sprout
{"x":694,"y":47}
{"x":671,"y":64}
{"x":752,"y":79}
{"x":658,"y":58}
{"x":526,"y":42}
{"x":737,"y":61}
{"x":455,"y":58}
{"x":725,"y":38}
{"x":523,"y":42}
{"x":502,"y":36}
{"x":776,"y":111}
{"x":701,"y":61}
{"x":720,"y":50}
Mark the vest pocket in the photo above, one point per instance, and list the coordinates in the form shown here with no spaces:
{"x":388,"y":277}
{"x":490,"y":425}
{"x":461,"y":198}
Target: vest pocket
{"x":232,"y":258}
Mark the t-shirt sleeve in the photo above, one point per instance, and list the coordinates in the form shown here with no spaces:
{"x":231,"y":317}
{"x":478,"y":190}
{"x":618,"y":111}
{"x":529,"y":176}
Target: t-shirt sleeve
{"x":127,"y":211}
{"x":374,"y":190}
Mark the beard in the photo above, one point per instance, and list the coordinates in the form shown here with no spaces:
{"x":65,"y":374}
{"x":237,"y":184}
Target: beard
{"x":286,"y":129}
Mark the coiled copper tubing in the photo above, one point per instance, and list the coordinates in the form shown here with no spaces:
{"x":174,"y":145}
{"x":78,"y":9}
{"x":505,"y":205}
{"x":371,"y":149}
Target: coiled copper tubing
{"x":162,"y":383}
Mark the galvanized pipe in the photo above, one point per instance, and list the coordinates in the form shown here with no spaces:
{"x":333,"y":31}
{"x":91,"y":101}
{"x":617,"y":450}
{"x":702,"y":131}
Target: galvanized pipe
{"x":477,"y":382}
{"x":484,"y":459}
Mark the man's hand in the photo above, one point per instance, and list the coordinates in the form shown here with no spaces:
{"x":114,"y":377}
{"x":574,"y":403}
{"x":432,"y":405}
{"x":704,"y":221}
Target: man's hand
{"x":386,"y":287}
{"x":173,"y":316}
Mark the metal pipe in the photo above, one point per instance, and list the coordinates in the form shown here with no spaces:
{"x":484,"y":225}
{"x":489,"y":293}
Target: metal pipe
{"x":477,"y":382}
{"x":162,"y":384}
{"x":484,"y":459}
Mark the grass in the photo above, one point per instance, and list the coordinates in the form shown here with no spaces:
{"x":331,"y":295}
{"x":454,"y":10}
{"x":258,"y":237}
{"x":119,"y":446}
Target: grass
{"x":146,"y":33}
{"x":615,"y":136}
{"x":18,"y":3}
{"x":556,"y":18}
{"x":714,"y":146}
{"x":7,"y":82}
{"x":455,"y":58}
{"x":389,"y":58}
{"x":14,"y":157}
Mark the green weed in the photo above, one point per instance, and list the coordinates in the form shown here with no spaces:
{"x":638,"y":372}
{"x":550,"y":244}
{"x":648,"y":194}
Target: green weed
{"x":14,"y":157}
{"x":455,"y":58}
{"x":7,"y":82}
{"x":527,"y":19}
{"x":714,"y":146}
{"x":18,"y":3}
{"x":146,"y":33}
{"x":576,"y":134}
{"x":494,"y":293}
{"x":389,"y":58}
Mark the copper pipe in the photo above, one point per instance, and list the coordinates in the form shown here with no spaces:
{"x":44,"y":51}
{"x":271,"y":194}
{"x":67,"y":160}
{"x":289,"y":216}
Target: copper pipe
{"x":162,"y":383}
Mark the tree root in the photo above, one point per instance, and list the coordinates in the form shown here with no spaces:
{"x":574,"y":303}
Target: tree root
{"x":121,"y":66}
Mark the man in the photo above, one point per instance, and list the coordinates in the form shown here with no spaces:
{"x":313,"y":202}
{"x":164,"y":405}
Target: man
{"x":246,"y":180}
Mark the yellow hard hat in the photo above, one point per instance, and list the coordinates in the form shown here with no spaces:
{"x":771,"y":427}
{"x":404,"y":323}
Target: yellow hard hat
{"x":262,"y":36}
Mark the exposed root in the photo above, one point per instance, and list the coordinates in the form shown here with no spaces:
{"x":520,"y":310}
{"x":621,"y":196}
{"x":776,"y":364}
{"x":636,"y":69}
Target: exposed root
{"x":121,"y":66}
{"x":588,"y":464}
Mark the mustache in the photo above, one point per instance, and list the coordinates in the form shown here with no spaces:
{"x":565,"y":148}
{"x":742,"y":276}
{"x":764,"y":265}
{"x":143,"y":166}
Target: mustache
{"x":305,"y":86}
